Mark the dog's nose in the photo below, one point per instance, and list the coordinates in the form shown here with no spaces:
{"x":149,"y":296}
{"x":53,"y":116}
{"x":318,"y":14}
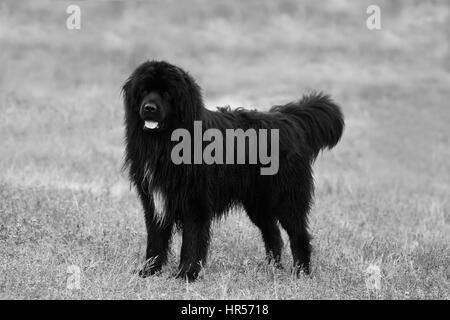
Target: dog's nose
{"x":150,"y":107}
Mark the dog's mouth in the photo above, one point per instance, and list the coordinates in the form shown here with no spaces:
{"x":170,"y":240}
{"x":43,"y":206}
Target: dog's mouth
{"x":150,"y":125}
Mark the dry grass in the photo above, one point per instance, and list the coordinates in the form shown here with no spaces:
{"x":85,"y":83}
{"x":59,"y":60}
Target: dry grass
{"x":382,"y":194}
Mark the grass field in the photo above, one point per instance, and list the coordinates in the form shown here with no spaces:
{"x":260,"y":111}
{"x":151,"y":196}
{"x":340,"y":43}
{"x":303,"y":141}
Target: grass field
{"x":382,"y":195}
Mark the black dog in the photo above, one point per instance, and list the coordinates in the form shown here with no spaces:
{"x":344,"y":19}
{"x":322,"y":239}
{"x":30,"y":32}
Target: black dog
{"x":160,"y":97}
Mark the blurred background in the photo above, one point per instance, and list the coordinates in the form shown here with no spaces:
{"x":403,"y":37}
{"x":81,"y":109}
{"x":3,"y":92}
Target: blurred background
{"x":61,"y":125}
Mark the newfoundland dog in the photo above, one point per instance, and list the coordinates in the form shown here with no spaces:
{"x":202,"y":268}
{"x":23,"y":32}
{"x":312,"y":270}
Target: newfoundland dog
{"x":160,"y":98}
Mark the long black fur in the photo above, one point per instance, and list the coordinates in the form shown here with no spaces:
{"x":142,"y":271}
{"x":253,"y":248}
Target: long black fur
{"x":195,"y":194}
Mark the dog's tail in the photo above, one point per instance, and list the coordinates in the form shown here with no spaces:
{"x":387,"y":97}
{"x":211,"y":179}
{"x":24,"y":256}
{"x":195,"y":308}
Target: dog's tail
{"x":320,"y":118}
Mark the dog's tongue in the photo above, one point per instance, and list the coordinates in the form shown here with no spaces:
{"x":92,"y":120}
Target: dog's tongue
{"x":151,"y":124}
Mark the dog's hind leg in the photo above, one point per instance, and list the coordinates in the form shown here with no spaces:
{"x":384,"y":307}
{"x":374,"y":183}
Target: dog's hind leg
{"x":297,"y":229}
{"x":294,"y":220}
{"x":270,"y":232}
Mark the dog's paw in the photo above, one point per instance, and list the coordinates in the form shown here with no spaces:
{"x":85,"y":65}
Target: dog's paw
{"x":300,"y":270}
{"x":146,"y":271}
{"x":275,"y":263}
{"x":188,"y":275}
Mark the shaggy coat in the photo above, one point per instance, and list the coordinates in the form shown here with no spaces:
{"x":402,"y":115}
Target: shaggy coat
{"x":189,"y":196}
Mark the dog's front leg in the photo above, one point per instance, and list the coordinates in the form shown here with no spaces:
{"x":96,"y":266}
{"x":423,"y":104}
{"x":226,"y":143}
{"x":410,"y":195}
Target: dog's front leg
{"x":158,"y":238}
{"x":194,"y":250}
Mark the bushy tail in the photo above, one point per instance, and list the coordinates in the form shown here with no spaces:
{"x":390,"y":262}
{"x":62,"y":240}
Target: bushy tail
{"x":320,"y":117}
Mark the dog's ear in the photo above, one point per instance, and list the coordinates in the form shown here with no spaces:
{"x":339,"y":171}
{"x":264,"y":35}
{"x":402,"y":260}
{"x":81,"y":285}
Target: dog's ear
{"x":187,"y":96}
{"x":129,"y":93}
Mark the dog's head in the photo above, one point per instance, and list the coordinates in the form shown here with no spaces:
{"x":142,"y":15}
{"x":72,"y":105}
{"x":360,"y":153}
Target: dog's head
{"x":159,"y":96}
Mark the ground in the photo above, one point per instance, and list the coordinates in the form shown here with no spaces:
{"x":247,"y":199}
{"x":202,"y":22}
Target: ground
{"x":382,"y":195}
